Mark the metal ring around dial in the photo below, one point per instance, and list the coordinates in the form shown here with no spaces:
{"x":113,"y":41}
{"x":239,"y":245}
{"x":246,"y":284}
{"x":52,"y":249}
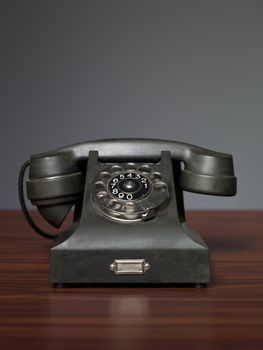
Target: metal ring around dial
{"x":129,"y":192}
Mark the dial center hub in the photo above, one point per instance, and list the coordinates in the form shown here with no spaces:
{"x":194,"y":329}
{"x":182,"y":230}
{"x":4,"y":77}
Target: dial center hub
{"x":129,"y":186}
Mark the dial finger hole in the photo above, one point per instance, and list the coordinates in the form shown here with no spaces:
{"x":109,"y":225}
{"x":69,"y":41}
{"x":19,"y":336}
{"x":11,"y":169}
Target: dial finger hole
{"x":130,"y":166}
{"x":114,"y":204}
{"x":104,"y":175}
{"x":129,"y":207}
{"x":102,"y":194}
{"x":116,"y":168}
{"x":100,"y":184}
{"x":144,"y":168}
{"x":156,"y":175}
{"x":160,"y":185}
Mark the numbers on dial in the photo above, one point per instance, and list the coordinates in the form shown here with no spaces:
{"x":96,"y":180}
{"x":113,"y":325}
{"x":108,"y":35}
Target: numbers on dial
{"x":129,"y":186}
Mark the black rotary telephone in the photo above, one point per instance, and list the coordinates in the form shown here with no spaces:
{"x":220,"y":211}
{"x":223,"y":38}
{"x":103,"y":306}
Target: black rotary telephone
{"x":129,"y":222}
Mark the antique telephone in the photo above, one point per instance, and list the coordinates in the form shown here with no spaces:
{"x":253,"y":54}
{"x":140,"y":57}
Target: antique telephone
{"x":129,"y":222}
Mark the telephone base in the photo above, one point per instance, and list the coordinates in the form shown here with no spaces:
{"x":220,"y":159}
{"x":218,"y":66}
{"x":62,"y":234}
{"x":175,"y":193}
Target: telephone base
{"x":180,"y":258}
{"x":162,"y":249}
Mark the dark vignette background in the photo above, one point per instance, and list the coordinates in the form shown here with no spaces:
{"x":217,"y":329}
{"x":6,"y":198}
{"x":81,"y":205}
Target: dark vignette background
{"x":188,"y":70}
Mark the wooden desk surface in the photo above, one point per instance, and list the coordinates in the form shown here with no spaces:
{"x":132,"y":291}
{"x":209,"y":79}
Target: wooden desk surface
{"x":226,"y":315}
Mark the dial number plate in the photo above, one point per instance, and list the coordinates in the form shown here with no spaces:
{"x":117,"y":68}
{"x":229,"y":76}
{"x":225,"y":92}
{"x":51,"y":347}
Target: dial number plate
{"x":129,"y":186}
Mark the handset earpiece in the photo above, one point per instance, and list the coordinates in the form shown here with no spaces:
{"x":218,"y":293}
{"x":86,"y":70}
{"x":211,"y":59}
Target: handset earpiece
{"x":208,"y":172}
{"x":54,"y":186}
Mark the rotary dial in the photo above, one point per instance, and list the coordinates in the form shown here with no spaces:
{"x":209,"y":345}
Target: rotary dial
{"x":129,"y":192}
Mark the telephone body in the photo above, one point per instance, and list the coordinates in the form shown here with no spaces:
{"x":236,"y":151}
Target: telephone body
{"x":129,"y":221}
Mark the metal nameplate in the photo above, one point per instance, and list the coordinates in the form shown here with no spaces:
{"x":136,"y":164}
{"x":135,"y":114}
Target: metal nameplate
{"x":129,"y":266}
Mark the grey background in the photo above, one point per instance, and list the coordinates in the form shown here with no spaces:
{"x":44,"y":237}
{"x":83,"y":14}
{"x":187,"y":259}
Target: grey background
{"x":185,"y":70}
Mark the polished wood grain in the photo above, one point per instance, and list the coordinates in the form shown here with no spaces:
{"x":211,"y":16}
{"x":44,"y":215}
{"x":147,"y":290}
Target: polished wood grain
{"x":226,"y":315}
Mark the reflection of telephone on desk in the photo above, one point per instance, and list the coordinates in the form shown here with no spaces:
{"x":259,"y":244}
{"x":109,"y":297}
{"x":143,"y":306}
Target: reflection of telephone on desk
{"x":129,"y":223}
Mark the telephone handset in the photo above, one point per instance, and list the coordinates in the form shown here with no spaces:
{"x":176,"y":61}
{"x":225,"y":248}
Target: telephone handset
{"x":129,"y":223}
